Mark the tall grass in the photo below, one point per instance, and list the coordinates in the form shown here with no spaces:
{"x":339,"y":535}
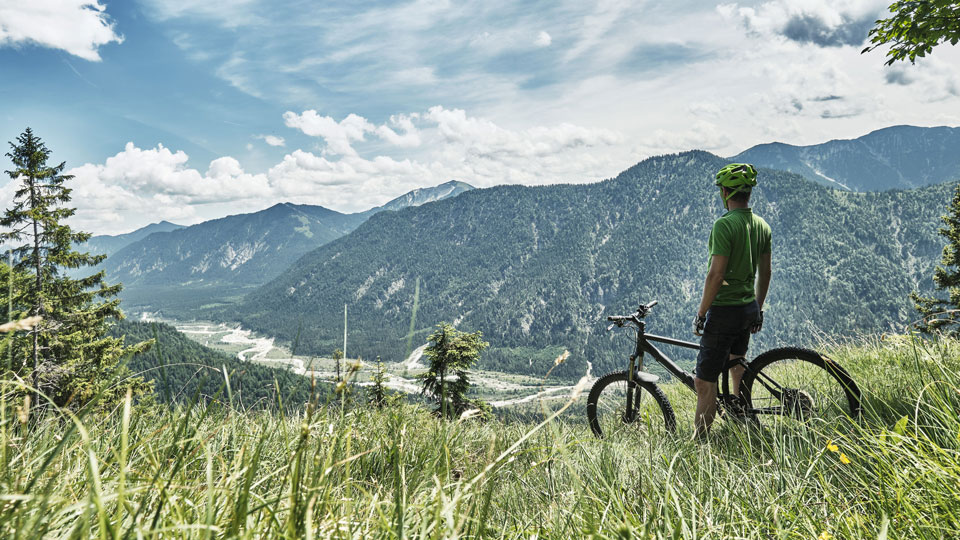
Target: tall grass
{"x":344,"y":471}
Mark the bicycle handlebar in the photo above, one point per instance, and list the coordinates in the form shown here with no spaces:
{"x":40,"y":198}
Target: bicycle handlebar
{"x":642,"y":311}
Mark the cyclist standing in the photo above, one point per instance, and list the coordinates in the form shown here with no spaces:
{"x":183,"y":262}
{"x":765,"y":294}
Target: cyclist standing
{"x":731,"y":307}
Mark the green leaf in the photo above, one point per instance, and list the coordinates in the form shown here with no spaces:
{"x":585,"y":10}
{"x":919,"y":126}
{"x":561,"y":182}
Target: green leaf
{"x":901,"y":426}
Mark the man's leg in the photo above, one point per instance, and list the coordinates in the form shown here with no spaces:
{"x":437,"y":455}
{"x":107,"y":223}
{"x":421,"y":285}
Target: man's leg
{"x":706,"y":406}
{"x":736,"y":374}
{"x":738,"y":349}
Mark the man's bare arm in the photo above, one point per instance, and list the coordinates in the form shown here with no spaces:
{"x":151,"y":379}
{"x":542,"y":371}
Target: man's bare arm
{"x":763,"y":278}
{"x":718,"y":267}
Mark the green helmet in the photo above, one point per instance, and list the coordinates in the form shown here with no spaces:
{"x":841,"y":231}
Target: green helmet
{"x":736,"y":177}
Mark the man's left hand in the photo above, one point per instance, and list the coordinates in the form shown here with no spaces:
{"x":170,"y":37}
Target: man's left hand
{"x":757,"y":324}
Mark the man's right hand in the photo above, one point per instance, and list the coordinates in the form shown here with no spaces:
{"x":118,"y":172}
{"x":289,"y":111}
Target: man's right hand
{"x":757,"y":324}
{"x":698,"y":323}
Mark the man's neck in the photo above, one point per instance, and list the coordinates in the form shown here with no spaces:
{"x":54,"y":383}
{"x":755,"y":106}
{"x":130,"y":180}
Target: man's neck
{"x":736,"y":205}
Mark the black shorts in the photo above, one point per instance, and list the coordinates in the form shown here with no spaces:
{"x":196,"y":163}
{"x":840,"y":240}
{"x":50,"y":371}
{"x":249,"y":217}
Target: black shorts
{"x":726,"y":332}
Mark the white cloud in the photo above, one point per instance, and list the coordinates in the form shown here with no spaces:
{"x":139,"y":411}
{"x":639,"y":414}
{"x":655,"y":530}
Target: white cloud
{"x":410,"y":138}
{"x":78,"y":27}
{"x":596,"y":26}
{"x":827,"y":23}
{"x":339,"y":136}
{"x":139,"y":186}
{"x":230,"y":13}
{"x":932,"y":78}
{"x":484,"y":138}
{"x":701,"y":135}
{"x":272,"y":140}
{"x":543,"y":39}
{"x":417,"y":76}
{"x":154,"y":184}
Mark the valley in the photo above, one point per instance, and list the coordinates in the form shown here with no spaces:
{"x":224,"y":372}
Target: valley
{"x":499,"y":389}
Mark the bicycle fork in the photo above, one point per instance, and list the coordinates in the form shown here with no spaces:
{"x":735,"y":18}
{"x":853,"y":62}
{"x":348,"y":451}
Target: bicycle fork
{"x":631,"y":409}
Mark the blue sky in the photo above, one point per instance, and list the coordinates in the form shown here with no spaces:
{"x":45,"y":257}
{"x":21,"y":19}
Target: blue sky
{"x":188,"y":110}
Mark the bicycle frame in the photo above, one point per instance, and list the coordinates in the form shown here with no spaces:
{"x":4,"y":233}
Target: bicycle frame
{"x":644,"y":345}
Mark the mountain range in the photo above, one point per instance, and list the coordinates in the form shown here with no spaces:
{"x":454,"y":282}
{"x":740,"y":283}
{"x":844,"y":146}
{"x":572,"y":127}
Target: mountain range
{"x":537,"y":269}
{"x":897,"y":157}
{"x":109,"y":244}
{"x":217,"y":260}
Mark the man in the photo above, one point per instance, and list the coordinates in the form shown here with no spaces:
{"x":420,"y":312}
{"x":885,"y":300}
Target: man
{"x":731,"y":307}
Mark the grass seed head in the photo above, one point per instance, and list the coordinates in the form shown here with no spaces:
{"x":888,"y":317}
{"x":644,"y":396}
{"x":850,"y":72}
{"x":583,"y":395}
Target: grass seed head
{"x":23,"y":324}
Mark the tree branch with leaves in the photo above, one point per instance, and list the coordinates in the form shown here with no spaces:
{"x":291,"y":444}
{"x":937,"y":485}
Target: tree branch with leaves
{"x":916,"y":27}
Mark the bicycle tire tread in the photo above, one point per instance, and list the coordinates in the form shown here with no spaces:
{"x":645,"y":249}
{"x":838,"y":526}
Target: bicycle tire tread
{"x":601,"y":383}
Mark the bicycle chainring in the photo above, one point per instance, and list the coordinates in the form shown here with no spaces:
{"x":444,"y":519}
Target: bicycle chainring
{"x":797,"y":403}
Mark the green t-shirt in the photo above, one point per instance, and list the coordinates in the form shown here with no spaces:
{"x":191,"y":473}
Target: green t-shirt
{"x":742,"y":237}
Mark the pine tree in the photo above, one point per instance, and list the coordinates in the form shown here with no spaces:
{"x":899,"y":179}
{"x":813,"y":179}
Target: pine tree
{"x":378,"y":391}
{"x":337,"y":357}
{"x":451,"y":352}
{"x":10,"y":281}
{"x":944,"y":314}
{"x":68,"y":356}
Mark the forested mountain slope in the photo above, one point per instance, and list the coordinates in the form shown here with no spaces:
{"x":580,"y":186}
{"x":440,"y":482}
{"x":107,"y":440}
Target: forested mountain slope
{"x":106,"y":244}
{"x":179,"y":367}
{"x":240,"y":249}
{"x":895,"y":157}
{"x":422,"y":196}
{"x":537,"y":269}
{"x":216,"y":261}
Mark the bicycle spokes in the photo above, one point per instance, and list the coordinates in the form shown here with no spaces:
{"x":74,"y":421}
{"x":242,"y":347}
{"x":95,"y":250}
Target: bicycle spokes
{"x":798,"y":390}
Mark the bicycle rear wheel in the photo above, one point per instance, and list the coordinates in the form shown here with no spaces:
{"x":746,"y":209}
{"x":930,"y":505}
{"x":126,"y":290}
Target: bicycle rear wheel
{"x":607,"y":411}
{"x":796,"y":386}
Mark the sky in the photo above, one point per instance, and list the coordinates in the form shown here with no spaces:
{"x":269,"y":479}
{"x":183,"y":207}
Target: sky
{"x":188,"y":110}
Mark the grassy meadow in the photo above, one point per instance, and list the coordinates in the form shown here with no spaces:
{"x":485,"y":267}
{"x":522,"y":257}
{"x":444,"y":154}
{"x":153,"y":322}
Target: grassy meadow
{"x":341,"y":469}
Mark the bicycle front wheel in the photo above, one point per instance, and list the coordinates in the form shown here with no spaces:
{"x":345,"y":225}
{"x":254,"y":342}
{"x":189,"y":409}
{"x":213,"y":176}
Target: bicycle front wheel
{"x":618,"y":407}
{"x":796,"y":386}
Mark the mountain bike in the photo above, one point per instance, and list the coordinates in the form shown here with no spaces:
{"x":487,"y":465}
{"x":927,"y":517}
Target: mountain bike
{"x":787,"y":385}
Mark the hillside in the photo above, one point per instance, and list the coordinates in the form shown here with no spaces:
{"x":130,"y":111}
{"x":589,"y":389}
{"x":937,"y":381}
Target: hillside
{"x":537,"y":269}
{"x":106,"y":244}
{"x":242,"y":249}
{"x":898,"y":157}
{"x":218,"y":260}
{"x":180,"y":367}
{"x":345,"y":470}
{"x":422,"y":196}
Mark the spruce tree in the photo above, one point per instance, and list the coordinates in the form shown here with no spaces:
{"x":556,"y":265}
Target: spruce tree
{"x":378,"y":390}
{"x":337,"y":357}
{"x":450,"y":353}
{"x":68,"y":356}
{"x":944,"y":314}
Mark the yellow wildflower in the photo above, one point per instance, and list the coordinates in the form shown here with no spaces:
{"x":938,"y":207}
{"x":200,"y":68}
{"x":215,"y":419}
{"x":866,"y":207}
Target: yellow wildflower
{"x":844,"y":459}
{"x":832,"y":447}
